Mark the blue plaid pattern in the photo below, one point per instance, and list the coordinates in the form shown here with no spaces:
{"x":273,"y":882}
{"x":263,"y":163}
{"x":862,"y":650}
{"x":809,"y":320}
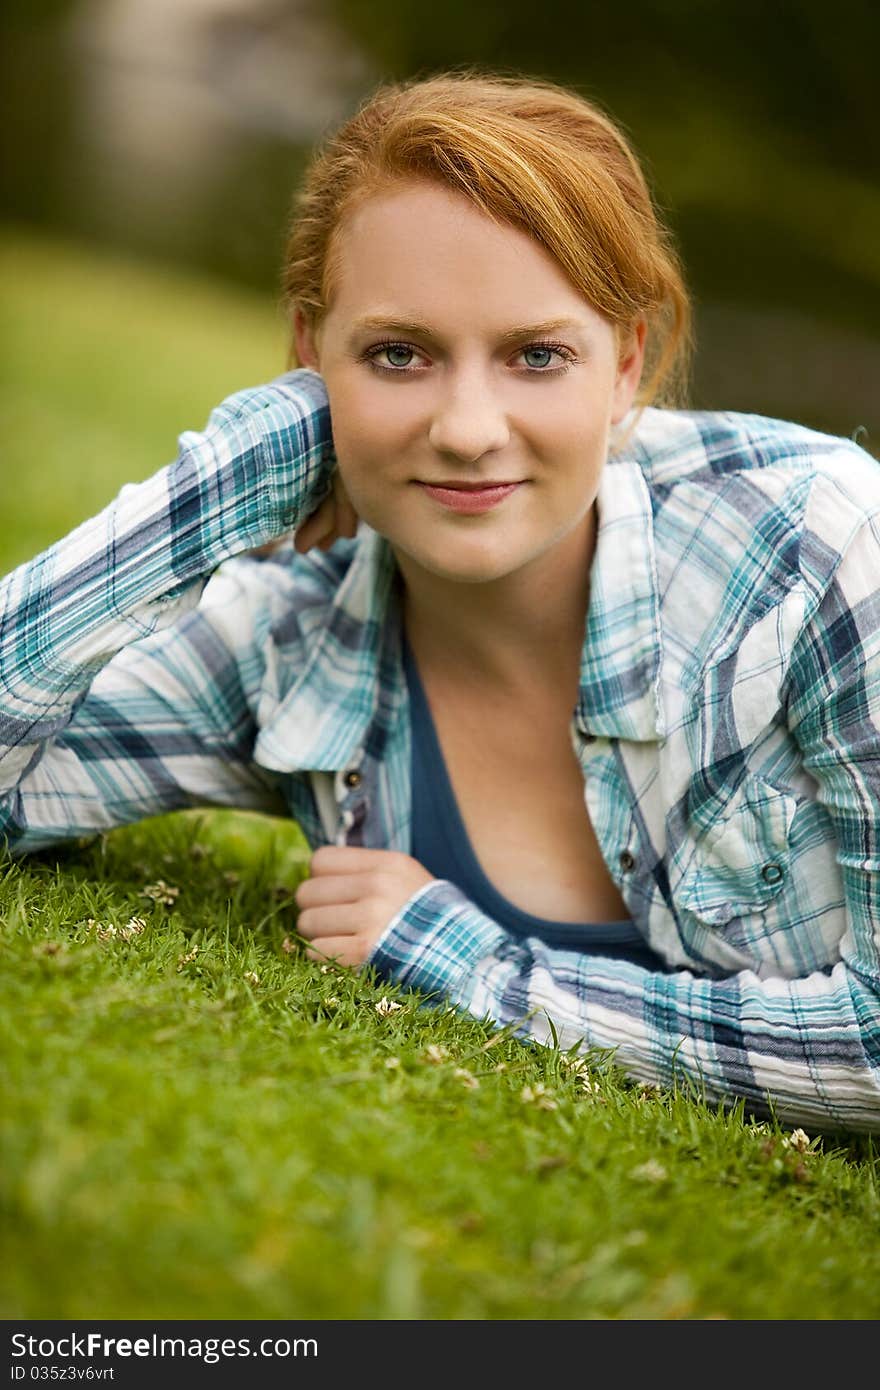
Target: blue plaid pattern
{"x":728,"y":728}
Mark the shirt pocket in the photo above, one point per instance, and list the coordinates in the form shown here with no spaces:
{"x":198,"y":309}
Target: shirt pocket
{"x":743,"y":861}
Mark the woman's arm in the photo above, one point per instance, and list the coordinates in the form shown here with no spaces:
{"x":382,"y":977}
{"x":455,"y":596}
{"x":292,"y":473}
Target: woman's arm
{"x":811,"y":1048}
{"x":87,"y":740}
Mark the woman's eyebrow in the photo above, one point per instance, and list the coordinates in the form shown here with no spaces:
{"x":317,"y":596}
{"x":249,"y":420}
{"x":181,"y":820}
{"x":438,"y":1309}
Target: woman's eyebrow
{"x":389,"y":323}
{"x":371,"y":323}
{"x":542,"y":330}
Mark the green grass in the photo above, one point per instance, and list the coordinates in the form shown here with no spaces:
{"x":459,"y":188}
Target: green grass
{"x":196,"y":1121}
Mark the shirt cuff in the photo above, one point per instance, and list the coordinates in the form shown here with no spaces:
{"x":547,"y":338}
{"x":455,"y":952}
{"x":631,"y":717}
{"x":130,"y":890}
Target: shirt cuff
{"x":436,"y":940}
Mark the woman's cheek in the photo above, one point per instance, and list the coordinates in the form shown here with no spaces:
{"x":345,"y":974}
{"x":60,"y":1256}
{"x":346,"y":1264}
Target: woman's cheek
{"x":369,"y":489}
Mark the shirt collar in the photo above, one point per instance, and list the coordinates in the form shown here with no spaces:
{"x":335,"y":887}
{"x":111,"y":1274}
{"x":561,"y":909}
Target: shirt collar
{"x":621,"y":657}
{"x":348,"y":680}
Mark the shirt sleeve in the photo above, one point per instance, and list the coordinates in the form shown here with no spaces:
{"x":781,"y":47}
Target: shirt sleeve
{"x":807,"y":1049}
{"x":119,"y":698}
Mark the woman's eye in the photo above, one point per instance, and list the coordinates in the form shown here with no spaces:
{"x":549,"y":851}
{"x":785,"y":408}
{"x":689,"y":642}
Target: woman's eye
{"x":543,"y":358}
{"x":537,"y":356}
{"x":540,"y":356}
{"x":398,"y":356}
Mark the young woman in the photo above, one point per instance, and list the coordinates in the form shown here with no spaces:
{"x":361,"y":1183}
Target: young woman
{"x":576,"y":698}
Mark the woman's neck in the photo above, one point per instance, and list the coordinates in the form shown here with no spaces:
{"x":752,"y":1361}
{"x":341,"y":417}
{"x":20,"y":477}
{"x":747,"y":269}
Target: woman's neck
{"x":510,"y":632}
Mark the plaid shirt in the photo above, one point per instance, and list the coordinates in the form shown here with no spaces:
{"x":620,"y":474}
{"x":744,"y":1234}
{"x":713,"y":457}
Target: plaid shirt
{"x":728,"y":728}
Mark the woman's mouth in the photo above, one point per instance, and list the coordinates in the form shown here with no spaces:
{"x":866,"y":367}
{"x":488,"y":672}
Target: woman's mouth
{"x":469,"y":497}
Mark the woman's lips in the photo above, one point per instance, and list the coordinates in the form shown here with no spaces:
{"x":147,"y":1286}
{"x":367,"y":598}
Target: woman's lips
{"x":464,"y":497}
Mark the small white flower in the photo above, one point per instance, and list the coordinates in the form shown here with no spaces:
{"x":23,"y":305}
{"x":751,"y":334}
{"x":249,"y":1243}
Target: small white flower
{"x":133,"y":927}
{"x":392,"y":1063}
{"x":435,"y":1053}
{"x":466,"y":1078}
{"x":651,"y":1171}
{"x":161,"y":892}
{"x":797,"y":1140}
{"x":288,"y":946}
{"x":387,"y":1006}
{"x":331,"y":1002}
{"x":187,"y":958}
{"x":101,"y":929}
{"x":539,"y":1096}
{"x":572,"y":1063}
{"x":252,"y":977}
{"x":633,"y":1239}
{"x":581,"y":1073}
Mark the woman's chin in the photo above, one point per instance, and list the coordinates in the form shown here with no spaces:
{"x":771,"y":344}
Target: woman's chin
{"x":498,"y":553}
{"x":455,"y":563}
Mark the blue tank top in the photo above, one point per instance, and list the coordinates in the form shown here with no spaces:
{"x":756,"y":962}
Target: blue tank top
{"x":440,"y":842}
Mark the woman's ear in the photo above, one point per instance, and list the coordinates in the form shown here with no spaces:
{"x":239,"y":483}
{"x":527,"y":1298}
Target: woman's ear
{"x":629,"y":370}
{"x":305,"y":340}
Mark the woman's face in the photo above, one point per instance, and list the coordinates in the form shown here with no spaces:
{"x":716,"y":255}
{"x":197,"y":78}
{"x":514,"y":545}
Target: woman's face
{"x":471,"y":388}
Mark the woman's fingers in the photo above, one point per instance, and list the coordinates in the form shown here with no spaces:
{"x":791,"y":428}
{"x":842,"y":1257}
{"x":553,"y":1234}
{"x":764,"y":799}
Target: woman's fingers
{"x":334,"y":517}
{"x":353,"y":893}
{"x":340,"y":860}
{"x":315,"y":923}
{"x":346,"y":516}
{"x":340,"y":949}
{"x":338,"y":888}
{"x":316,"y":527}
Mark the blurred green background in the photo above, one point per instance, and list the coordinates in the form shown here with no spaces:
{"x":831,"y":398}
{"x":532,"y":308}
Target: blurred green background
{"x":175,"y":131}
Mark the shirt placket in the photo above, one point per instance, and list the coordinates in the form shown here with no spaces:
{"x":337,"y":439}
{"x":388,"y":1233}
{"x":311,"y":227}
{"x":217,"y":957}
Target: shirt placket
{"x":617,"y":836}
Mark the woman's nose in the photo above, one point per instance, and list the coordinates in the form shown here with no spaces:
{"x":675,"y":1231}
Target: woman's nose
{"x":469,"y":423}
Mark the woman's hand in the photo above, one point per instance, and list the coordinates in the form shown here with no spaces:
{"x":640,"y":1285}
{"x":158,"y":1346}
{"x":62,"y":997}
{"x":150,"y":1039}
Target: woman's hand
{"x":335,"y":517}
{"x":351,"y":897}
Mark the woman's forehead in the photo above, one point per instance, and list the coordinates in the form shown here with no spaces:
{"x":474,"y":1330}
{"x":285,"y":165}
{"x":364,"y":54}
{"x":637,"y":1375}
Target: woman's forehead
{"x":421,"y":252}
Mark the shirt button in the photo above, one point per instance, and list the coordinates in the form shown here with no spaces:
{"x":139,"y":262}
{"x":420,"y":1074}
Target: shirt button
{"x":772,"y":873}
{"x":352,"y":778}
{"x":626,"y":861}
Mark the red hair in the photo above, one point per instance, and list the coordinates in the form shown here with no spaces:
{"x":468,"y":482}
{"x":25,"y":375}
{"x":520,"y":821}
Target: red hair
{"x":527,"y":153}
